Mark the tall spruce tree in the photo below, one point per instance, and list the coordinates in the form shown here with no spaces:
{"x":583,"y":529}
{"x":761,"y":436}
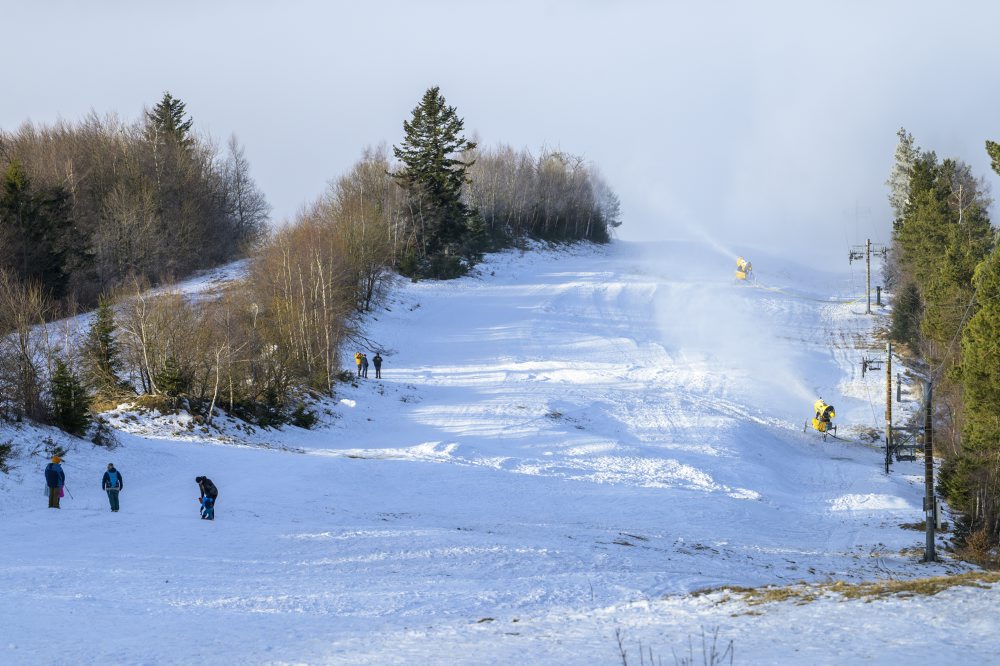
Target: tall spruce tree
{"x":899,"y":176}
{"x":70,"y":402}
{"x":433,"y":176}
{"x":166,"y":123}
{"x":100,"y":353}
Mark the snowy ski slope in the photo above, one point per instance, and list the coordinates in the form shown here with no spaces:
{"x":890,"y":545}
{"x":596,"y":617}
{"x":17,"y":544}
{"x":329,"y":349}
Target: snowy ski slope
{"x":564,"y":445}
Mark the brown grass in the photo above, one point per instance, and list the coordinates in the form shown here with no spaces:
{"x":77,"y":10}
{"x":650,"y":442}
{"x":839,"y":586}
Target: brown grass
{"x":980,"y":548}
{"x":804,"y":593}
{"x":161,"y":403}
{"x":104,"y":404}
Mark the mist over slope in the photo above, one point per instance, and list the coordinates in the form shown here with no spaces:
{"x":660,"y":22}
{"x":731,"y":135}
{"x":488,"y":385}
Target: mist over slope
{"x":564,"y":444}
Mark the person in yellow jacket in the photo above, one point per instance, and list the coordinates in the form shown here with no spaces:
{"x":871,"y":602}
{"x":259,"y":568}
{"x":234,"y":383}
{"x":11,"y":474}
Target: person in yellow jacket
{"x":357,"y":359}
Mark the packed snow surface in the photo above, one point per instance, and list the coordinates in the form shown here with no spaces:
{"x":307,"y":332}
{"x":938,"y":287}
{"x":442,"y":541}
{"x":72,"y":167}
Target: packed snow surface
{"x":564,"y":446}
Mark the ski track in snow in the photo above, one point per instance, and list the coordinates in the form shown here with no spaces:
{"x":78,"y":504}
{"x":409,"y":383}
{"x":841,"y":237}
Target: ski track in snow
{"x":565,"y":444}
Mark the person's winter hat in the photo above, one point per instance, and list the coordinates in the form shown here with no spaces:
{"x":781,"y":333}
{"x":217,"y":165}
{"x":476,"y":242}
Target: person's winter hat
{"x":111,"y":465}
{"x":56,"y":459}
{"x":199,"y":479}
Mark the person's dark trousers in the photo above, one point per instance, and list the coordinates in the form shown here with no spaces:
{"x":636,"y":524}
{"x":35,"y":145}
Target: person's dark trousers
{"x":364,"y":372}
{"x":378,"y":372}
{"x":113,"y":498}
{"x":53,"y":498}
{"x":208,"y":509}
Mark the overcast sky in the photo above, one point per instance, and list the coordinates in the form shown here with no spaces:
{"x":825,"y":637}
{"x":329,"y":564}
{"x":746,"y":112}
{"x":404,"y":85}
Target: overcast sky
{"x":752,"y":122}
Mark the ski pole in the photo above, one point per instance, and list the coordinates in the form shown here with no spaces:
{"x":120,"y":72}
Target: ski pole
{"x":68,"y":492}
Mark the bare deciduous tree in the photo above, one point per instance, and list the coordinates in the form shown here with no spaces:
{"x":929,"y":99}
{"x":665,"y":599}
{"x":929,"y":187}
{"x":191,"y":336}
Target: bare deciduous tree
{"x":23,"y":349}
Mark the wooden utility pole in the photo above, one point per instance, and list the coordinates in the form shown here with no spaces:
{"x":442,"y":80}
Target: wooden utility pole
{"x":930,"y":504}
{"x":868,"y":275}
{"x":888,"y":405}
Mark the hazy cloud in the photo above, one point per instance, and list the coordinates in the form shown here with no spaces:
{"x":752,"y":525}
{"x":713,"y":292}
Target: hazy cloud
{"x":761,"y":123}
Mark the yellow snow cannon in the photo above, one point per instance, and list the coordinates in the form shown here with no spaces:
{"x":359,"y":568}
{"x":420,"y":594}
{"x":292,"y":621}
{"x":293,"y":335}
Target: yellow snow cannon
{"x":743,"y":268}
{"x":823,"y":420}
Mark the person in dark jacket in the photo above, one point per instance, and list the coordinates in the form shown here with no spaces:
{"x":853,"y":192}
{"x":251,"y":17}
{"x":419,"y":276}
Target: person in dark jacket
{"x":209,"y":493}
{"x":364,"y":366}
{"x":377,"y":362}
{"x":55,"y":479}
{"x":113,"y":484}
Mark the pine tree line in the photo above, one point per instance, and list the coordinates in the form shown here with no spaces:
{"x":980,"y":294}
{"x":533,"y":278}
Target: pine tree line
{"x":945,"y":272}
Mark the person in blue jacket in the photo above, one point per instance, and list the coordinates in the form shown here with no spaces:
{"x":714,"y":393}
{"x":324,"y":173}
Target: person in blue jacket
{"x":113,"y":484}
{"x":209,"y":493}
{"x":55,"y":479}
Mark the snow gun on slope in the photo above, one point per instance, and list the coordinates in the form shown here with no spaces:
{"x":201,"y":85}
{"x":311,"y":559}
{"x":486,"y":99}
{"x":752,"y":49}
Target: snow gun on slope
{"x":743,"y":268}
{"x":823,"y":420}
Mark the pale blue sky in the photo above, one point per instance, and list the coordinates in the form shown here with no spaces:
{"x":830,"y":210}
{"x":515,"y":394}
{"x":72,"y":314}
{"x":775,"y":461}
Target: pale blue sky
{"x":759,"y":122}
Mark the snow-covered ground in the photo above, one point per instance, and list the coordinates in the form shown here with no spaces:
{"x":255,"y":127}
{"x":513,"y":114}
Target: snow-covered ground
{"x":564,"y":447}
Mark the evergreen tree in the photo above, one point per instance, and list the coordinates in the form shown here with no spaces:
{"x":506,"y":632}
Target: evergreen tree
{"x":35,"y":228}
{"x":971,"y":480}
{"x":906,"y":317}
{"x":16,"y":217}
{"x":944,"y":233}
{"x":433,"y":176}
{"x":922,"y":232}
{"x":171,"y":379}
{"x":993,"y":150}
{"x":981,"y":361}
{"x":100,"y":352}
{"x":166,"y":122}
{"x":70,"y":402}
{"x":899,"y":176}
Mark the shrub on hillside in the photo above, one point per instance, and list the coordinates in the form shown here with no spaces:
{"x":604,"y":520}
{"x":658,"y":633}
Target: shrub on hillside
{"x":303,"y":417}
{"x":6,"y":453}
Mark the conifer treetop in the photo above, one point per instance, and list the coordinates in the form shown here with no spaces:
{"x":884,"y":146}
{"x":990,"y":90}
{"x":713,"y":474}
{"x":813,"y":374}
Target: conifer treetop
{"x":433,"y":138}
{"x":167,"y":121}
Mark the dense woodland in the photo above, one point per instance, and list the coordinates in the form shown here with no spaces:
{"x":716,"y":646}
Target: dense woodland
{"x":945,"y":273}
{"x":101,"y":211}
{"x":85,"y":207}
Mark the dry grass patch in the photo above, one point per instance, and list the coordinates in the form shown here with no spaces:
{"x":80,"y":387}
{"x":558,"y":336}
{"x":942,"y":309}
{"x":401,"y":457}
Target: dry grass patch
{"x":160,"y":403}
{"x":803,"y":593}
{"x":102,"y":403}
{"x":980,"y":548}
{"x":927,"y":587}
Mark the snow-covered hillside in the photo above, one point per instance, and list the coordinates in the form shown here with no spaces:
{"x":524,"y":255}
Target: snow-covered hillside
{"x":563,"y":448}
